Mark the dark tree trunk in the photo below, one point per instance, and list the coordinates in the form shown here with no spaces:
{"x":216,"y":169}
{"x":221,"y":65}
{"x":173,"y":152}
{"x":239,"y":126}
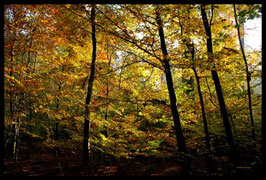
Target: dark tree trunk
{"x":11,"y":96}
{"x":191,"y":50}
{"x":218,"y":87}
{"x":16,"y":138}
{"x":263,"y":130}
{"x":167,"y":69}
{"x":207,"y":136}
{"x":89,"y":94}
{"x":2,"y":150}
{"x":2,"y":123}
{"x":28,"y":71}
{"x":2,"y":126}
{"x":56,"y":134}
{"x":248,"y":77}
{"x":107,"y":92}
{"x":16,"y":122}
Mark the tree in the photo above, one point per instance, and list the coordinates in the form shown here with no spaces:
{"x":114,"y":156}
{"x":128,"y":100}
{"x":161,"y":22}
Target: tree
{"x":218,"y":87}
{"x":263,"y":149}
{"x":167,"y":70}
{"x":2,"y":123}
{"x":207,"y":135}
{"x":147,"y":46}
{"x":136,"y":103}
{"x":248,"y":74}
{"x":190,"y":53}
{"x":89,"y":94}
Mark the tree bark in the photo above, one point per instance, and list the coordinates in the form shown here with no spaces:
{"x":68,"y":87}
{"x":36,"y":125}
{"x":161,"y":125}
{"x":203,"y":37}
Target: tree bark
{"x":248,"y":77}
{"x":263,"y":139}
{"x":2,"y":141}
{"x":16,"y":130}
{"x":2,"y":124}
{"x":167,"y":69}
{"x":191,"y":50}
{"x":56,"y":134}
{"x":16,"y":137}
{"x":207,"y":136}
{"x":107,"y":92}
{"x":16,"y":122}
{"x":218,"y":87}
{"x":28,"y":71}
{"x":89,"y":94}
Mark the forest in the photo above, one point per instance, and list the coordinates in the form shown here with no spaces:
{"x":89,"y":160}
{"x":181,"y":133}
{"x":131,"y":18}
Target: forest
{"x":131,"y":90}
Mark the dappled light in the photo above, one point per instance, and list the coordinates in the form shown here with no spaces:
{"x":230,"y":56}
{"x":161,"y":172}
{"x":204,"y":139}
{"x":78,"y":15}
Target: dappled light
{"x":132,"y":90}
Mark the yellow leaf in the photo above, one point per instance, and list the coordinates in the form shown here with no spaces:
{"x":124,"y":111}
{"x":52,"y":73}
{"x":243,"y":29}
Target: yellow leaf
{"x":103,"y":137}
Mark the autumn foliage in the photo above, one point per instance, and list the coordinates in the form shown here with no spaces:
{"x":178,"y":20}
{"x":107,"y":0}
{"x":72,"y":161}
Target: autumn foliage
{"x":153,"y":93}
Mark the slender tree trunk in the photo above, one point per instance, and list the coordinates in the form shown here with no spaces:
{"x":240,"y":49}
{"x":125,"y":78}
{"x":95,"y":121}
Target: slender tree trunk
{"x":16,"y":133}
{"x":89,"y":94}
{"x":207,"y":136}
{"x":120,"y":76}
{"x":177,"y":125}
{"x":2,"y":135}
{"x":210,"y":164}
{"x":26,"y":77}
{"x":16,"y":123}
{"x":56,"y":134}
{"x":16,"y":137}
{"x":107,"y":104}
{"x":248,"y":77}
{"x":263,"y":139}
{"x":2,"y":123}
{"x":191,"y":50}
{"x":218,"y":87}
{"x":2,"y":129}
{"x":107,"y":92}
{"x":11,"y":97}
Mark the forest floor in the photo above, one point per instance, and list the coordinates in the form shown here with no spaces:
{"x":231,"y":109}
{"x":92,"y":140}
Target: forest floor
{"x":49,"y":164}
{"x":69,"y":163}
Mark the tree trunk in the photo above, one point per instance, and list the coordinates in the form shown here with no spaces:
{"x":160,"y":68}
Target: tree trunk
{"x":177,"y":125}
{"x":56,"y":134}
{"x":120,"y":76}
{"x":218,"y":87}
{"x":2,"y":139}
{"x":89,"y":94}
{"x":16,"y":123}
{"x":263,"y":140}
{"x":2,"y":130}
{"x":16,"y":132}
{"x":107,"y":92}
{"x":191,"y":50}
{"x":207,"y":136}
{"x":28,"y":71}
{"x":16,"y":137}
{"x":248,"y":77}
